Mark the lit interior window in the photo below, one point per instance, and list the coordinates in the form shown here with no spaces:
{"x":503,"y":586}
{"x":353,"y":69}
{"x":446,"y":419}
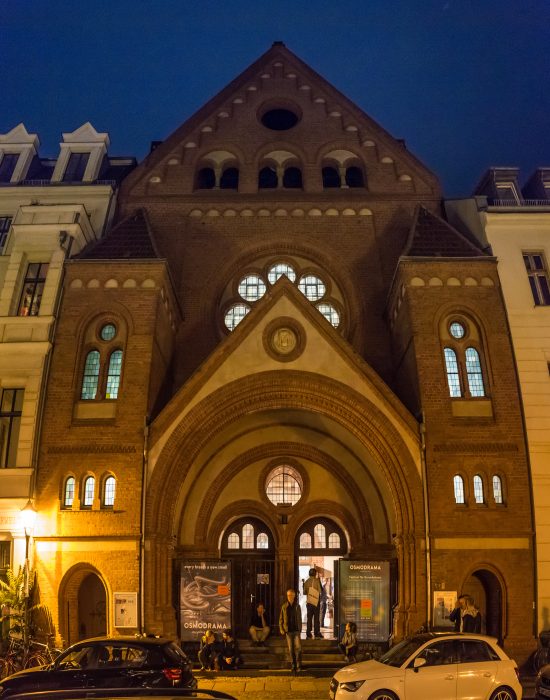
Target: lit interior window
{"x":69,"y":492}
{"x":109,"y":493}
{"x":252,"y":288}
{"x":280,"y":269}
{"x":497,"y":489}
{"x":248,"y":536}
{"x":478,"y":489}
{"x":262,"y":541}
{"x":108,"y":332}
{"x":312,"y":287}
{"x":233,"y":541}
{"x":89,"y":488}
{"x":319,"y":537}
{"x":330,"y":313}
{"x":458,"y":484}
{"x":334,"y":540}
{"x":235,"y":315}
{"x":305,"y":540}
{"x":457,"y":330}
{"x":284,"y":486}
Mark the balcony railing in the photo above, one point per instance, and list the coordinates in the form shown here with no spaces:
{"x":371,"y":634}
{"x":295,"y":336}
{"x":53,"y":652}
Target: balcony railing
{"x":514,"y":203}
{"x":49,"y":183}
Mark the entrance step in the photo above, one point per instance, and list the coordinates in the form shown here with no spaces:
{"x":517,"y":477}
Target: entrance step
{"x":316,"y":653}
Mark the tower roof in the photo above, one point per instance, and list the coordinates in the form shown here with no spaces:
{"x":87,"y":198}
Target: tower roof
{"x":431,"y":236}
{"x":131,"y":239}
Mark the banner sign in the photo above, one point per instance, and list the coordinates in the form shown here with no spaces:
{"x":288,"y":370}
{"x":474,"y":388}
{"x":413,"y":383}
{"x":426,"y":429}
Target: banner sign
{"x":205,"y":597}
{"x":364,"y":598}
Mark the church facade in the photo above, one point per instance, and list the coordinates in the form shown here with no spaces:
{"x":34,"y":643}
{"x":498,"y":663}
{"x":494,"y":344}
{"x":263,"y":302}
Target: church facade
{"x":282,"y":356}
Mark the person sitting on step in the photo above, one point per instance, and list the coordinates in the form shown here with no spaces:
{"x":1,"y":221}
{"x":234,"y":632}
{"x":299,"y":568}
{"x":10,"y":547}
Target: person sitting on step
{"x":207,"y":651}
{"x":348,"y":644}
{"x":259,"y":626}
{"x":228,"y":658}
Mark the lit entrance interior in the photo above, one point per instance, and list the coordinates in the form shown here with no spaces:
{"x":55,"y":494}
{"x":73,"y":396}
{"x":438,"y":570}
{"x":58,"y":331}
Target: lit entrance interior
{"x":320,"y":543}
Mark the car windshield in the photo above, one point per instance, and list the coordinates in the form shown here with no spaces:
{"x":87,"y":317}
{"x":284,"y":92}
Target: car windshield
{"x":398,"y":654}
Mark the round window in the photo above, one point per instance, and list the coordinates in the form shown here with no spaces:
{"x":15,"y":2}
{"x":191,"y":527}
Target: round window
{"x":252,"y":288}
{"x":312,"y":287}
{"x":278,"y":270}
{"x":330,"y":313}
{"x":279,"y":119}
{"x":284,"y":486}
{"x":234,"y":315}
{"x":457,"y":330}
{"x":108,"y":332}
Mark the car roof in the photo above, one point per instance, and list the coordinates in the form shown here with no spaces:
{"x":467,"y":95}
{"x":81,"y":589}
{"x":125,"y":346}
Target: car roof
{"x":427,"y":636}
{"x":129,"y":639}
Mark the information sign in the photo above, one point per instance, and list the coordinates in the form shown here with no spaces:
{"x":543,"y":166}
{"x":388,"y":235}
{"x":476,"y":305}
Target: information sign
{"x":364,"y":598}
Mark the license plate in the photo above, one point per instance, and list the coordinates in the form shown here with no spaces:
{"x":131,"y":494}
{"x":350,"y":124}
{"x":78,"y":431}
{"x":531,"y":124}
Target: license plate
{"x":543,"y":691}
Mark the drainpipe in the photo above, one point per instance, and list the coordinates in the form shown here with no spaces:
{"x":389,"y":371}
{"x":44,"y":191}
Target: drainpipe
{"x":142,"y":529}
{"x":426,"y":523}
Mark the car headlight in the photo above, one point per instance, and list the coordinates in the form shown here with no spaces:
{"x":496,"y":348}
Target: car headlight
{"x":352,"y":686}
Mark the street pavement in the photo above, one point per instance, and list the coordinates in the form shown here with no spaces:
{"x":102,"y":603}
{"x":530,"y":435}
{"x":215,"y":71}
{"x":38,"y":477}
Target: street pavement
{"x":282,"y":685}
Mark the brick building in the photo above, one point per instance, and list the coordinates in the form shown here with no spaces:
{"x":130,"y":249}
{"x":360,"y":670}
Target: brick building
{"x":282,"y":356}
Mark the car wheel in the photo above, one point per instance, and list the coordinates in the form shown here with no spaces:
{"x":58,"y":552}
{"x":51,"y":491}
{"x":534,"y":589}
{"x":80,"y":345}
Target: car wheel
{"x":383,"y":695}
{"x":503,"y":693}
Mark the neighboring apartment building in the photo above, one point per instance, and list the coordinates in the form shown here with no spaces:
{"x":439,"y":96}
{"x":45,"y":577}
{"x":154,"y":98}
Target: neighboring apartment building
{"x":50,"y":208}
{"x":515,"y":223}
{"x":282,"y":356}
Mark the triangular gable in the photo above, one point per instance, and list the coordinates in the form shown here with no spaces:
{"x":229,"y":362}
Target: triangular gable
{"x":86,"y":134}
{"x":245,"y":352}
{"x":356,"y":125}
{"x":19,"y":136}
{"x":431,"y":236}
{"x":131,"y":239}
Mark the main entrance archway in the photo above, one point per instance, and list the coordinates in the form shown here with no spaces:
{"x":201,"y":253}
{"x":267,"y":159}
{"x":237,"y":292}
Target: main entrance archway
{"x":248,"y":543}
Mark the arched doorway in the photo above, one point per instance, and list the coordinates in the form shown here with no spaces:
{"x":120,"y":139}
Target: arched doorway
{"x":248,"y":543}
{"x":486,"y":590}
{"x":319,"y":544}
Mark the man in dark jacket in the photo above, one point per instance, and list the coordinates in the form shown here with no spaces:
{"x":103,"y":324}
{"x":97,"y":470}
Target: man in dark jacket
{"x":228,"y":658}
{"x":312,"y":589}
{"x":466,"y":616}
{"x":290,"y":626}
{"x":259,"y":626}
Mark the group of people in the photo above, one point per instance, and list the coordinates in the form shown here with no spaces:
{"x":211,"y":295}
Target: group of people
{"x":223,"y":656}
{"x":465,"y":616}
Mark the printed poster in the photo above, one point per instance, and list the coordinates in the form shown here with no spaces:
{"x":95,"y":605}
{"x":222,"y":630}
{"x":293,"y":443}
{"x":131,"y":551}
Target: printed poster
{"x":444,"y":603}
{"x":205,"y":597}
{"x":125,"y":605}
{"x":365,"y":598}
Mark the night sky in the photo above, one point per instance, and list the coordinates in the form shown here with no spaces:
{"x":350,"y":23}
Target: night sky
{"x":465,"y":82}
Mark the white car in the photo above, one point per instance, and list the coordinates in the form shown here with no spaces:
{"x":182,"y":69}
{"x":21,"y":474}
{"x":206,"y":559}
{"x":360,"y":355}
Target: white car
{"x":432,"y":666}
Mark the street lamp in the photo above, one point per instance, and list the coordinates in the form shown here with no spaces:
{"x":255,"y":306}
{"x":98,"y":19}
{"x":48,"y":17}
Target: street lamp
{"x":28,"y":519}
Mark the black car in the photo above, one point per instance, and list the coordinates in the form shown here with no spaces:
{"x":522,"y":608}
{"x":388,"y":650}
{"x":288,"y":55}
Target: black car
{"x":108,"y":662}
{"x":542,"y":687}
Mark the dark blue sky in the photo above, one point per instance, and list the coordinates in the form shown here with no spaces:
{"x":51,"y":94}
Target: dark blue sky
{"x":465,"y":82}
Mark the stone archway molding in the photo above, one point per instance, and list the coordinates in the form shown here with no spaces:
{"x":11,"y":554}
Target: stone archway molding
{"x":68,"y":599}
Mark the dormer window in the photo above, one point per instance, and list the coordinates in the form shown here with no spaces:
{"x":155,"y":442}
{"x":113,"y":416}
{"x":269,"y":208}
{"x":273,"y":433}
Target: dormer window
{"x":7,"y":166}
{"x":76,"y":167}
{"x":507,"y":193}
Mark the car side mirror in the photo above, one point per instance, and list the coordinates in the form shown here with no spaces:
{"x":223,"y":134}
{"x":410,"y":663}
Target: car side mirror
{"x":418,"y":663}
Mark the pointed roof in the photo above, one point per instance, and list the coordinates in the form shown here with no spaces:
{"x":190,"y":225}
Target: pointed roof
{"x":131,"y":239}
{"x":279,"y":56}
{"x":432,"y":237}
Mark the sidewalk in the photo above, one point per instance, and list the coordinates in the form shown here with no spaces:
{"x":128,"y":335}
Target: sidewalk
{"x":282,"y":685}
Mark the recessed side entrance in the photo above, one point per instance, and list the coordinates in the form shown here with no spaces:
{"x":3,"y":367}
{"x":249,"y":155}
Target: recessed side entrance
{"x":83,"y":605}
{"x":248,"y":543}
{"x":486,"y":590}
{"x":319,"y":544}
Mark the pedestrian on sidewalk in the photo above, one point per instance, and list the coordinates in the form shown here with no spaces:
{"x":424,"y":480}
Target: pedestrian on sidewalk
{"x":348,"y":644}
{"x":312,"y":589}
{"x":259,"y":626}
{"x":228,"y":658}
{"x":290,"y":626}
{"x":466,"y":616}
{"x":207,"y":651}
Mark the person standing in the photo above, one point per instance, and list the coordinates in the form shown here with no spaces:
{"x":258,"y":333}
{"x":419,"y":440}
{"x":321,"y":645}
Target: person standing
{"x":312,"y":589}
{"x":259,"y":626}
{"x":290,"y":626}
{"x":466,"y":616}
{"x":323,"y":604}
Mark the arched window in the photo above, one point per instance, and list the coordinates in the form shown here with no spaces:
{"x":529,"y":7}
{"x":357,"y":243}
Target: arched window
{"x":305,"y":540}
{"x":478,"y":489}
{"x":109,"y":488}
{"x":334,"y":540}
{"x":233,"y":541}
{"x":230,"y":179}
{"x":113,"y":375}
{"x":90,"y":377}
{"x":267,"y":178}
{"x":262,"y":541}
{"x":458,"y":483}
{"x":89,"y":490}
{"x":473,"y":371}
{"x":453,"y":377}
{"x":284,"y":486}
{"x":497,"y":489}
{"x":319,"y":537}
{"x":354,"y":177}
{"x":248,"y":536}
{"x":292,"y":178}
{"x":206,"y":179}
{"x":331,"y":177}
{"x":68,"y":492}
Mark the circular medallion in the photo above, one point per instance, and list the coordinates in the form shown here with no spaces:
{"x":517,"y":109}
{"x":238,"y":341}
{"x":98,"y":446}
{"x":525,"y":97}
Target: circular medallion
{"x":284,"y":339}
